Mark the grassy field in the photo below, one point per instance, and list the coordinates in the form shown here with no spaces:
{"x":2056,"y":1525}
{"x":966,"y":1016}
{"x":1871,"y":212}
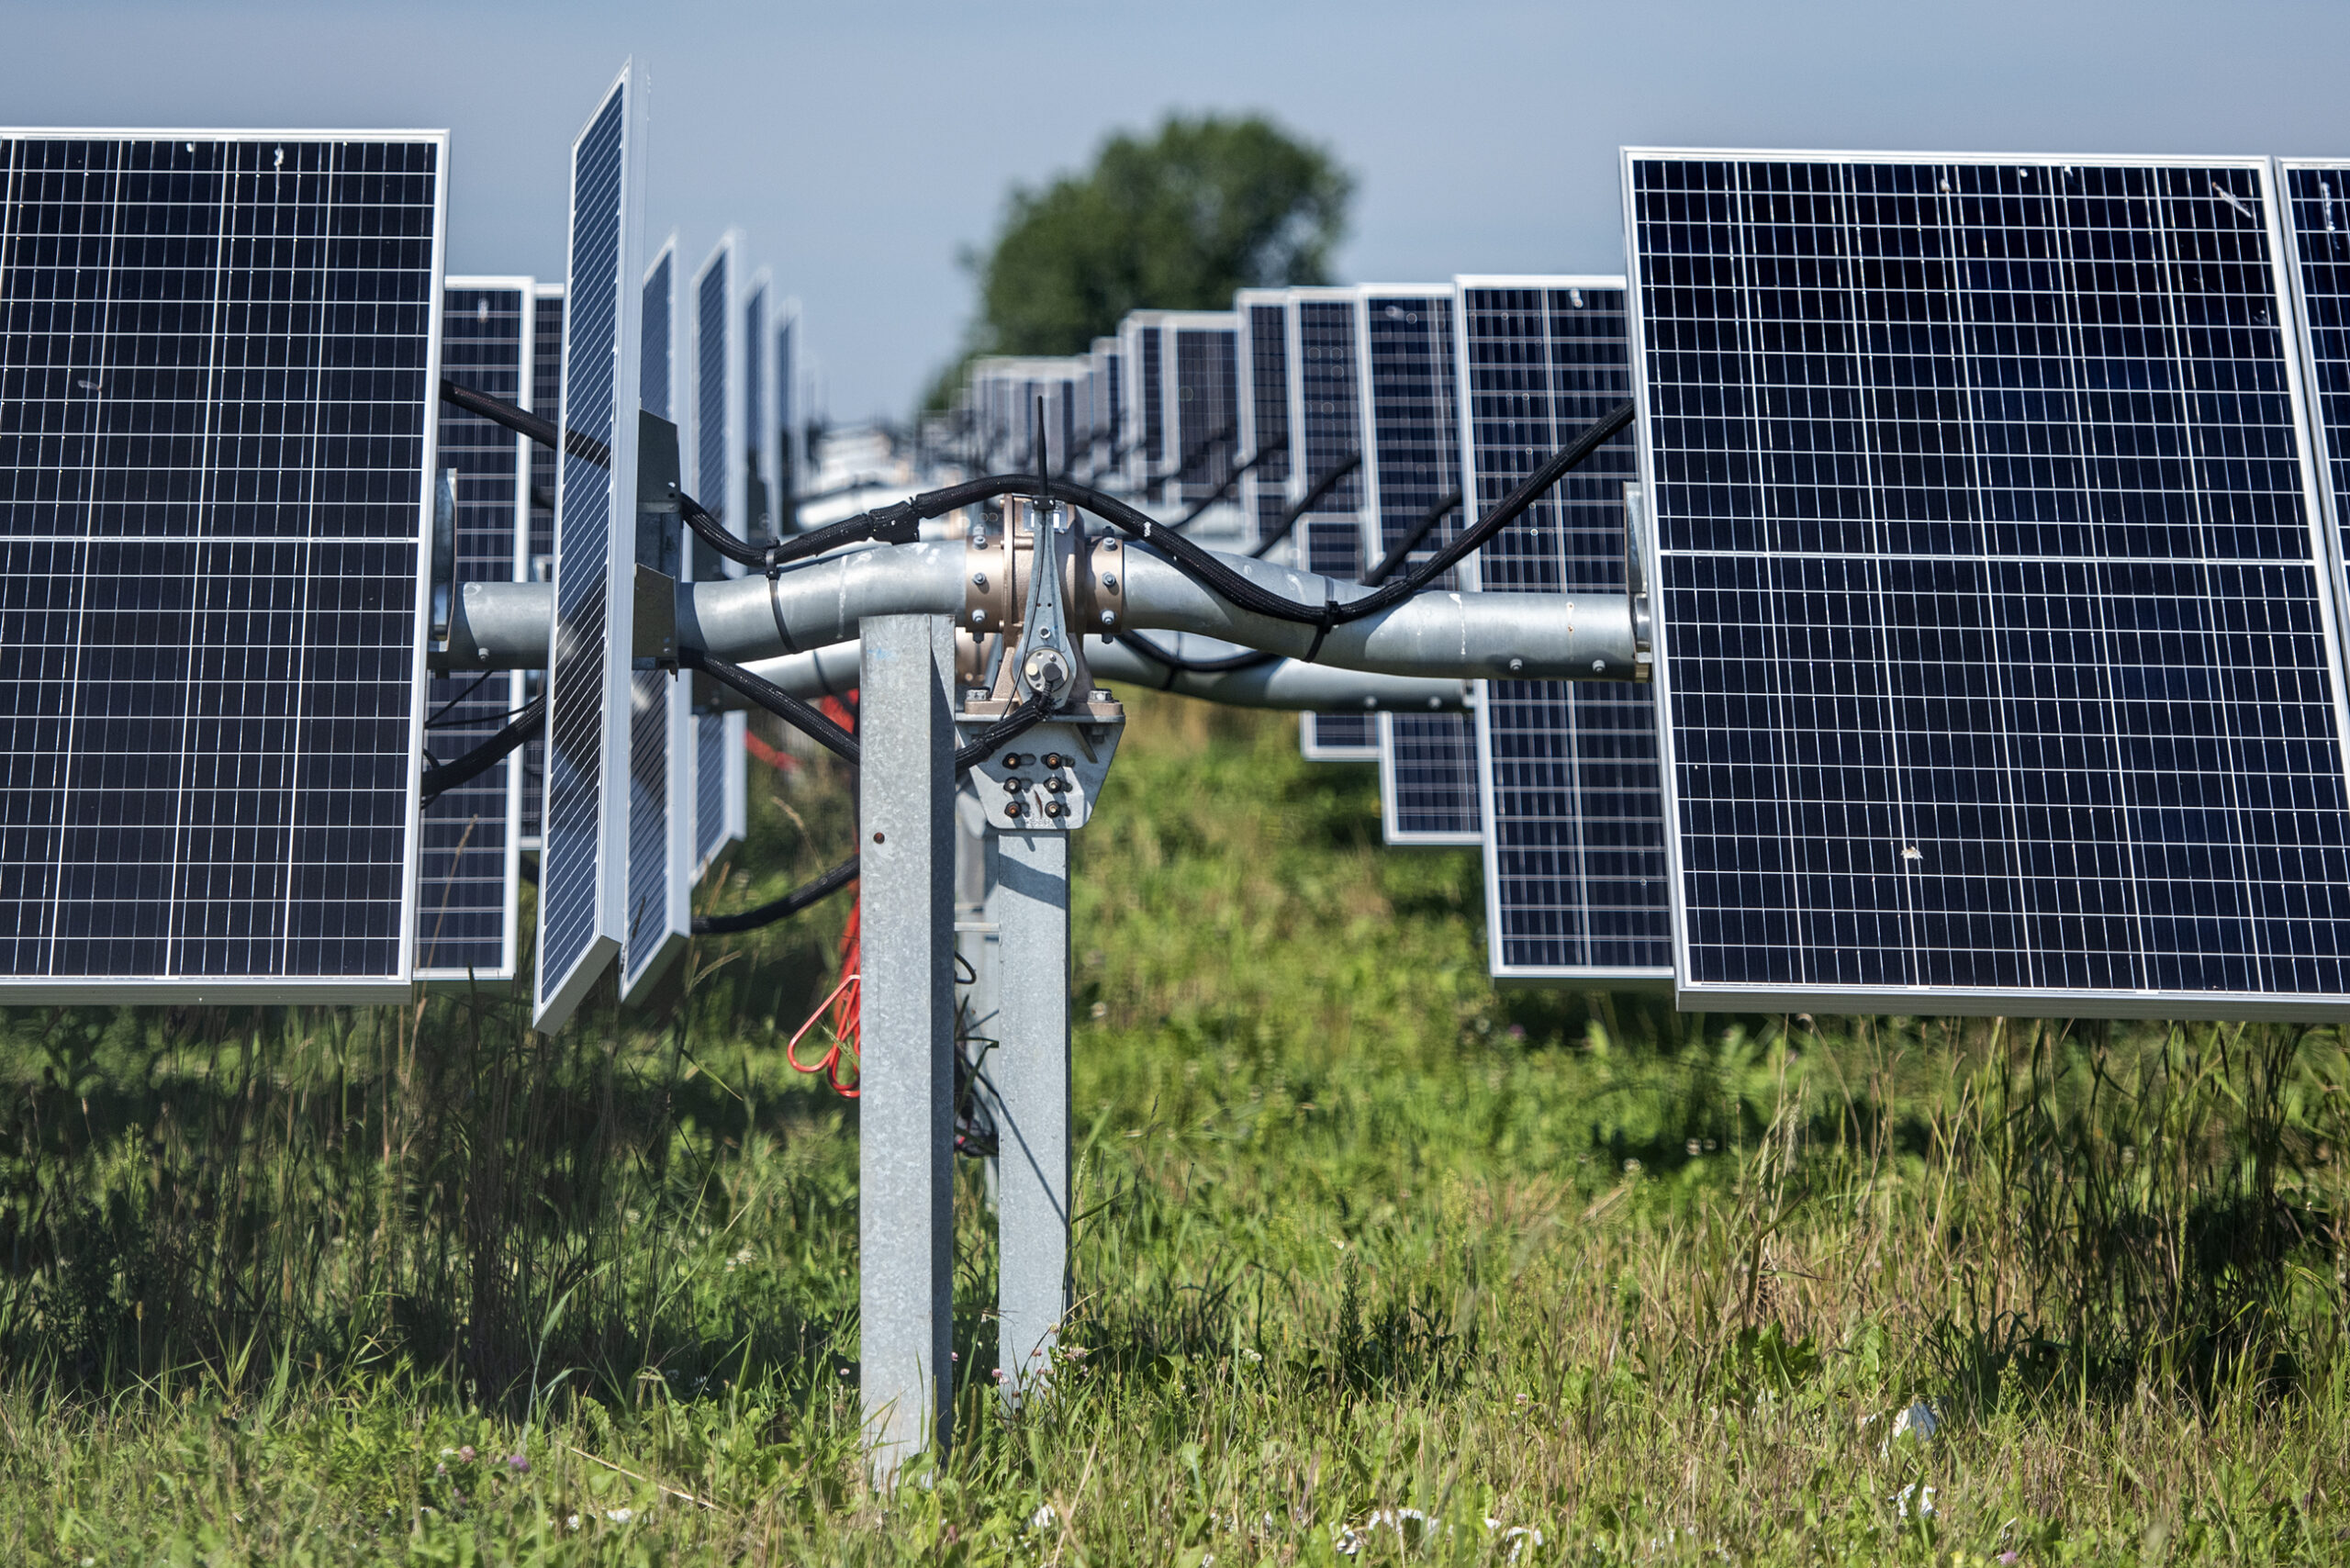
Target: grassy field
{"x":1376,"y":1265}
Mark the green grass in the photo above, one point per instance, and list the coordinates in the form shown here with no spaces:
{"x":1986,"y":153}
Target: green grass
{"x":1370,"y":1255}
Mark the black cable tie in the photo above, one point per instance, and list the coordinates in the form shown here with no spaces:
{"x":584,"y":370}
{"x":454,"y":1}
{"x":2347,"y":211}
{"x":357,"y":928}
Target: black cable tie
{"x":774,"y":603}
{"x":1322,"y":630}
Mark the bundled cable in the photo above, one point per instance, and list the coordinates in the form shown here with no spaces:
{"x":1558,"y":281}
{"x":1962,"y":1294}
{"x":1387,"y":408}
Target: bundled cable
{"x":801,"y":716}
{"x":527,"y":725}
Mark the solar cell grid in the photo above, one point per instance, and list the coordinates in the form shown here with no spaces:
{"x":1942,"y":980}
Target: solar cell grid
{"x":1576,"y":884}
{"x":1264,"y":392}
{"x":1994,"y":634}
{"x":658,"y":888}
{"x":582,"y":879}
{"x":1205,"y":390}
{"x":1427,"y":762}
{"x":466,"y":886}
{"x":545,"y":386}
{"x":219,"y":352}
{"x":1326,"y":429}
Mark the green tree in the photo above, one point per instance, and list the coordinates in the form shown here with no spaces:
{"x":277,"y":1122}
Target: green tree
{"x":1176,"y":221}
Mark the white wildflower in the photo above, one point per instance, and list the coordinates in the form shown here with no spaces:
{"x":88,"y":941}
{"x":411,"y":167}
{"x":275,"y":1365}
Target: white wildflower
{"x":571,"y":1523}
{"x":1044,"y":1519}
{"x":619,"y":1516}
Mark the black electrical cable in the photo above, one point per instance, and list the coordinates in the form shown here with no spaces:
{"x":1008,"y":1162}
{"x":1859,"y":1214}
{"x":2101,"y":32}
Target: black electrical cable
{"x":440,"y":781}
{"x":1443,"y":507}
{"x":1199,"y":451}
{"x":1177,"y":664}
{"x":1225,"y":489}
{"x":805,"y":716}
{"x":1305,"y":503}
{"x":716,"y":534}
{"x":791,"y":904}
{"x":522,"y":422}
{"x":434,"y":723}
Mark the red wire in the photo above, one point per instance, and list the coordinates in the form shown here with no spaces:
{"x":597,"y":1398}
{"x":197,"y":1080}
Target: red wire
{"x":840,"y":1010}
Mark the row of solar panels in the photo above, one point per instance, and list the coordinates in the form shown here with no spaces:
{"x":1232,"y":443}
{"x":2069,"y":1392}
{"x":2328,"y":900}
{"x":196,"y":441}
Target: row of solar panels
{"x":1998,"y":564}
{"x":220,"y":442}
{"x":1998,"y":561}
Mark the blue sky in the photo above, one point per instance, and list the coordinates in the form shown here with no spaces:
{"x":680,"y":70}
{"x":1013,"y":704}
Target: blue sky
{"x":861,"y":146}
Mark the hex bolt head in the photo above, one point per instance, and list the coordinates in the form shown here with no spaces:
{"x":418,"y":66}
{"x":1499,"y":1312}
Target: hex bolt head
{"x":979,"y":617}
{"x":1108,"y":619}
{"x":1110,"y":581}
{"x":979,"y":581}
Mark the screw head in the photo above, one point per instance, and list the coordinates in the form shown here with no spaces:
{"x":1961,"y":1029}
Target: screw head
{"x":979,"y":581}
{"x":1516,"y":664}
{"x":1599,"y":664}
{"x":979,"y":617}
{"x":1108,"y":619}
{"x":1110,"y":581}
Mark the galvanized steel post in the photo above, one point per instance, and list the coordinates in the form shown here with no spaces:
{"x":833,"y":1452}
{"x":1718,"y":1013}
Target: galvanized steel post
{"x":906,"y":1109}
{"x":1029,"y":1070}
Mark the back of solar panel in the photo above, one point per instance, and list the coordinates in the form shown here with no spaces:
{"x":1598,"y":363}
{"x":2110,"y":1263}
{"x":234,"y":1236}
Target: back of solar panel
{"x":1575,"y":879}
{"x":1200,"y":370}
{"x":781,"y":434}
{"x":1411,"y":417}
{"x":583,"y":914}
{"x":1325,"y":433}
{"x":718,"y":474}
{"x":1261,"y":315}
{"x":215,"y":481}
{"x":469,"y":878}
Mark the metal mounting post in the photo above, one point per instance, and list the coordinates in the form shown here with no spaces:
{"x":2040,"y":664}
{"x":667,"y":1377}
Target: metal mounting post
{"x":906,"y":1109}
{"x":1030,"y":1070}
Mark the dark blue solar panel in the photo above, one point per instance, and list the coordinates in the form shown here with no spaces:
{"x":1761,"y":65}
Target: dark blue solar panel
{"x":2318,"y":197}
{"x":214,"y":445}
{"x":1325,"y":430}
{"x":1207,"y":406}
{"x":1575,"y":870}
{"x":578,"y":927}
{"x":1265,"y":489}
{"x":546,"y":387}
{"x":1150,"y":440}
{"x":716,"y":440}
{"x":1994,"y":622}
{"x":755,"y":403}
{"x":1427,"y":762}
{"x":710,"y":789}
{"x":656,"y":371}
{"x":465,"y":876}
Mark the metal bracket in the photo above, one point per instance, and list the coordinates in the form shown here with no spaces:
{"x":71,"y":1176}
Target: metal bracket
{"x":1636,"y":575}
{"x":444,"y":557}
{"x":1046,"y":780}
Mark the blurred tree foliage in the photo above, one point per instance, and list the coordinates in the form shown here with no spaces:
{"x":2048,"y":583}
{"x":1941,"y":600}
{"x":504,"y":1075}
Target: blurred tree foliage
{"x":1174,"y":221}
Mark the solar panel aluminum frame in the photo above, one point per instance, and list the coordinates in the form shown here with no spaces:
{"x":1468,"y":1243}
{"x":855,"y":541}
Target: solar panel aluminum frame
{"x":2326,"y":556}
{"x":397,"y":984}
{"x":705,"y":843}
{"x":560,"y":991}
{"x":1393,"y":830}
{"x":515,"y":686}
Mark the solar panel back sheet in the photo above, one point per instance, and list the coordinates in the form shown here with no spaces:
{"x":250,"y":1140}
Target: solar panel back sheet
{"x":219,"y":355}
{"x":468,"y":877}
{"x":1996,"y":628}
{"x":660,"y":801}
{"x":1411,"y":421}
{"x":583,"y":866}
{"x":1575,"y":881}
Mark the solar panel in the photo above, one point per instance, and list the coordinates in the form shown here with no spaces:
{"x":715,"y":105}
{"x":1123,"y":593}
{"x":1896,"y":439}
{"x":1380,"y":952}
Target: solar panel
{"x":1109,"y":408}
{"x":660,"y":806}
{"x":215,"y":464}
{"x":782,"y":418}
{"x":752,"y":522}
{"x":1575,"y":875}
{"x":1326,"y":429}
{"x":582,"y":902}
{"x":1995,"y":636}
{"x":469,"y":867}
{"x":2316,"y":235}
{"x":1427,"y":762}
{"x":1141,"y":352}
{"x":538,"y":565}
{"x":1202,"y":392}
{"x":1263,"y":348}
{"x":720,"y":480}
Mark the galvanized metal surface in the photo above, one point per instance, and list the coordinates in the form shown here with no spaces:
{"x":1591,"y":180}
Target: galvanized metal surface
{"x":906,"y":1109}
{"x":1455,"y":635}
{"x":1030,"y":1070}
